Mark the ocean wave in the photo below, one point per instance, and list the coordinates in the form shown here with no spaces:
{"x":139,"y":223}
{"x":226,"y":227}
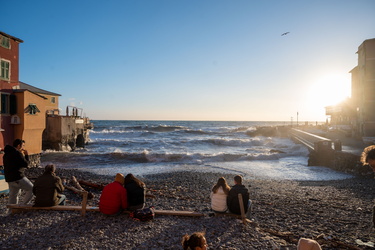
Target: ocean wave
{"x":158,"y":128}
{"x":243,"y":129}
{"x":144,"y":129}
{"x":194,"y":131}
{"x":145,"y":156}
{"x":232,"y":142}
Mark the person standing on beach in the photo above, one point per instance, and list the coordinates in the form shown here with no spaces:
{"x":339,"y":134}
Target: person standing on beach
{"x":136,"y":191}
{"x":113,"y":199}
{"x":219,"y":194}
{"x":368,"y":158}
{"x":47,"y":189}
{"x":232,"y":199}
{"x":16,"y":160}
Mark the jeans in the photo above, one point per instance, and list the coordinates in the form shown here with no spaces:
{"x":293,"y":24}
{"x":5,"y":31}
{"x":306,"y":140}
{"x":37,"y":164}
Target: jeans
{"x":62,"y":199}
{"x":15,"y":188}
{"x":248,"y":213}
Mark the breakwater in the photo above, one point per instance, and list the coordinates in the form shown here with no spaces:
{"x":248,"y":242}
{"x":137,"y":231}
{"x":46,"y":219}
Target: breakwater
{"x":323,"y":151}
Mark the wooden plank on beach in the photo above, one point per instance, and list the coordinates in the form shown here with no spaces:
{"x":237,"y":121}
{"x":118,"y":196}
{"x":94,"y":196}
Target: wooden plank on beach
{"x":30,"y":207}
{"x":18,"y":208}
{"x":178,"y":213}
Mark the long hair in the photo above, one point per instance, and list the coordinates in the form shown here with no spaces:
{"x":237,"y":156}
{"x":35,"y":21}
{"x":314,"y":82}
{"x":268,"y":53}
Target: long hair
{"x":221,"y":183}
{"x":368,"y":154}
{"x":197,"y":239}
{"x":131,"y":178}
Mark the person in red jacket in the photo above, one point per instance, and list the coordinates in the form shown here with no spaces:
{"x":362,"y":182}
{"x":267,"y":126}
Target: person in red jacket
{"x":113,"y":199}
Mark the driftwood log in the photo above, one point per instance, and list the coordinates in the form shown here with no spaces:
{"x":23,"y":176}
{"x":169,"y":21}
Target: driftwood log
{"x":78,"y":189}
{"x":91,"y":184}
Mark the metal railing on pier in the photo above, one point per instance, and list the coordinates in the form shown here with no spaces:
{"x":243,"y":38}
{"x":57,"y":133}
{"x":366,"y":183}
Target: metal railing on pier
{"x":314,"y":142}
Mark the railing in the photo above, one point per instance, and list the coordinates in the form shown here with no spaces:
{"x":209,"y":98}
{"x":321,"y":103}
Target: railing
{"x":314,"y":142}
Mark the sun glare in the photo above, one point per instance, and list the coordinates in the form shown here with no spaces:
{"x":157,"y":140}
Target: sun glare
{"x":326,"y":91}
{"x":330,"y":90}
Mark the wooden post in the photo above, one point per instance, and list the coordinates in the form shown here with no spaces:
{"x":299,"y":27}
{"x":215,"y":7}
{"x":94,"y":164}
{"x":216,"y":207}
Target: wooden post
{"x":84,"y":203}
{"x":243,"y":216}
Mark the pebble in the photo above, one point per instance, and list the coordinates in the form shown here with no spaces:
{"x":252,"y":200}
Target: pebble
{"x":283,"y":211}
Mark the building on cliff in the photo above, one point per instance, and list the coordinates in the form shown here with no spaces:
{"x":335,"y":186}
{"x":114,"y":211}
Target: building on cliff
{"x":32,"y":114}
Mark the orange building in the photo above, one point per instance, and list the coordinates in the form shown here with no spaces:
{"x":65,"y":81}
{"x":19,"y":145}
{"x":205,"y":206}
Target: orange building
{"x":23,"y":107}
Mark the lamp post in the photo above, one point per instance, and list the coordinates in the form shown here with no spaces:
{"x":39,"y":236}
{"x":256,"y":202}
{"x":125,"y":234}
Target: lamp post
{"x":297,"y":118}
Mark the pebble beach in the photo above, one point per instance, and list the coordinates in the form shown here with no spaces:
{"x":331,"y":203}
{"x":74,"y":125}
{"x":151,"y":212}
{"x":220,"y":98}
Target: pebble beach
{"x":335,"y":213}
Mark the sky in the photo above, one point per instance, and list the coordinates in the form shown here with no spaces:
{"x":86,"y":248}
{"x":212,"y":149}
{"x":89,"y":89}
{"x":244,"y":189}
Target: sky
{"x":191,"y":60}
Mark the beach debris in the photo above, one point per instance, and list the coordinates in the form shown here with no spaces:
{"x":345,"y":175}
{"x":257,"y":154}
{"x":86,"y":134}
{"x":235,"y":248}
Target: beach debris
{"x":77,"y":188}
{"x":368,"y":244}
{"x":92,"y":184}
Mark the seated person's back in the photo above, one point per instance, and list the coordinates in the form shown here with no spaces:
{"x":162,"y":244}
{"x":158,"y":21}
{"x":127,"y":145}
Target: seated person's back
{"x":47,"y":188}
{"x":219,"y":194}
{"x":232,"y":199}
{"x":136,"y":191}
{"x":113,"y":198}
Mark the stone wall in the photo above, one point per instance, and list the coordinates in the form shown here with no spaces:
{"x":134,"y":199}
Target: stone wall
{"x":340,"y":161}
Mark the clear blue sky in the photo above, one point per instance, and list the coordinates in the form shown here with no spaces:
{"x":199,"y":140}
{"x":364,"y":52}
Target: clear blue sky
{"x":190,"y":59}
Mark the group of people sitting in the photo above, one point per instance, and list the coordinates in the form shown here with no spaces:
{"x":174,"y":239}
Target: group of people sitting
{"x":125,"y":193}
{"x":128,"y":192}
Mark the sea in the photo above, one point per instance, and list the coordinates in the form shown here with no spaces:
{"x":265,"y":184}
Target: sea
{"x":148,"y":147}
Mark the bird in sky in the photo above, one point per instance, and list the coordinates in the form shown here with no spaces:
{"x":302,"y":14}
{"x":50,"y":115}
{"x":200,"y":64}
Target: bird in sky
{"x":284,"y":34}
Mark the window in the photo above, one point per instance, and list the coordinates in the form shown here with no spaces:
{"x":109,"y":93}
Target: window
{"x":32,"y":109}
{"x":53,"y":99}
{"x":4,"y":108}
{"x":5,"y":66}
{"x":5,"y":42}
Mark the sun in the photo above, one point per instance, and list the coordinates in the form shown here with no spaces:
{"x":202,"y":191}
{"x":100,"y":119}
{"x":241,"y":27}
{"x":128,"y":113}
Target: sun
{"x":328,"y":90}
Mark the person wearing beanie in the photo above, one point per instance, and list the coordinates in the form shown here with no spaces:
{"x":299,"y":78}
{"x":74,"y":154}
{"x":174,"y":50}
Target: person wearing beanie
{"x":113,"y":199}
{"x":47,"y":188}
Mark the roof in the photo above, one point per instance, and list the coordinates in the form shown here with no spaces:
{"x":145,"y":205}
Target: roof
{"x":12,"y":37}
{"x":24,"y":90}
{"x":36,"y":90}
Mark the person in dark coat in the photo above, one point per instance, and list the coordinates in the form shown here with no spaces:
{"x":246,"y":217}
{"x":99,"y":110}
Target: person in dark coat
{"x":47,"y":189}
{"x":16,"y":160}
{"x":232,"y":199}
{"x":136,"y":190}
